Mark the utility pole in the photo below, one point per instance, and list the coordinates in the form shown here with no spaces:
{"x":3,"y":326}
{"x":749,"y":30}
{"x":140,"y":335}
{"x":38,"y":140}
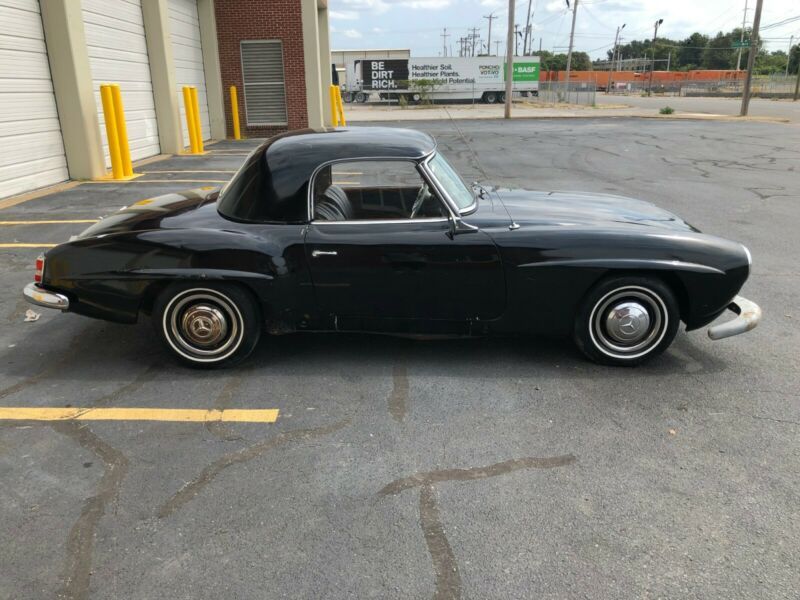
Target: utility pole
{"x":789,"y":55}
{"x":472,"y":39}
{"x":517,"y":35}
{"x":491,"y":18}
{"x":751,"y":59}
{"x":527,"y":30}
{"x":510,"y":59}
{"x":613,"y":56}
{"x":571,"y":40}
{"x":445,"y":35}
{"x":653,"y":64}
{"x":741,"y":38}
{"x":797,"y":85}
{"x":497,"y":47}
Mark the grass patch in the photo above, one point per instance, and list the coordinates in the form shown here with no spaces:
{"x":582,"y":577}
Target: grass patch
{"x":667,"y":110}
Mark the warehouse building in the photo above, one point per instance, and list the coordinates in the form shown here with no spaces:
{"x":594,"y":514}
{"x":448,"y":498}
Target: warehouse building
{"x":54,"y":55}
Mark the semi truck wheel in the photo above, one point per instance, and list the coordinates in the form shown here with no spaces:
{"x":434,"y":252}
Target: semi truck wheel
{"x":490,"y":97}
{"x":361,"y":97}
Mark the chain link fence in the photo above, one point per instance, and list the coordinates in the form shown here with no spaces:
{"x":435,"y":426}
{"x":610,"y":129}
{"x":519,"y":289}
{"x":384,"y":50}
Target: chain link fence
{"x":556,"y":92}
{"x":775,"y":86}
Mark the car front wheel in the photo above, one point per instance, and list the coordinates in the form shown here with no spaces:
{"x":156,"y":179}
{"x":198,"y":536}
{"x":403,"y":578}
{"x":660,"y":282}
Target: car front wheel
{"x":207,"y":325}
{"x":625,"y":321}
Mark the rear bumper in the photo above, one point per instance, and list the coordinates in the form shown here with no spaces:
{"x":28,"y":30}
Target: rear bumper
{"x":749,"y":316}
{"x":42,"y":297}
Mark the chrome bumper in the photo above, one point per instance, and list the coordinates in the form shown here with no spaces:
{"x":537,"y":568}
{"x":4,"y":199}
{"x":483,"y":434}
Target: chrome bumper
{"x":749,"y":316}
{"x":41,"y":297}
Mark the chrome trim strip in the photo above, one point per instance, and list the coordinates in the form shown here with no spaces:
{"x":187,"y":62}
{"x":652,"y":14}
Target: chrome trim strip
{"x":749,"y":316}
{"x":382,"y":222}
{"x":41,"y":297}
{"x":630,"y":263}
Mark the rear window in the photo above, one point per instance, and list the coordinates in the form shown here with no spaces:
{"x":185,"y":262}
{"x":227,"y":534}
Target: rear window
{"x":250,"y":196}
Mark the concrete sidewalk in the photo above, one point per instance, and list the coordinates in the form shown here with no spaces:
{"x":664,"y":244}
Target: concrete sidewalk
{"x":613,"y":107}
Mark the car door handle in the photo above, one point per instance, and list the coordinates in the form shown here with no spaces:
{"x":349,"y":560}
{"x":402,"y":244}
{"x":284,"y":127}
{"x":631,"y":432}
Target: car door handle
{"x":316,"y":253}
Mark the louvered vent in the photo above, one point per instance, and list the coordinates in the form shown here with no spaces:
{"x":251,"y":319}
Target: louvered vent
{"x":264,"y":85}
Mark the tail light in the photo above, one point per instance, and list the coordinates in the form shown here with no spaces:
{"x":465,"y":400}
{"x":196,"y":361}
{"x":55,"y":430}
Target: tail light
{"x":37,"y":276}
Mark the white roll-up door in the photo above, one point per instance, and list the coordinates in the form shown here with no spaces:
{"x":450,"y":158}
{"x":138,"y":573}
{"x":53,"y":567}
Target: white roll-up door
{"x":118,"y":54}
{"x":31,"y":149}
{"x":187,"y":53}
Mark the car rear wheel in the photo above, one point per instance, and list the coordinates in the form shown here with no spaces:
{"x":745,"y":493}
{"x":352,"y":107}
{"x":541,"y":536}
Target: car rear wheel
{"x":207,"y":325}
{"x":625,"y":321}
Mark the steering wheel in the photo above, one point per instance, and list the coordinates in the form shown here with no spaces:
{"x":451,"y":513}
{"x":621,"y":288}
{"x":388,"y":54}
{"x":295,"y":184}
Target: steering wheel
{"x":422,"y":196}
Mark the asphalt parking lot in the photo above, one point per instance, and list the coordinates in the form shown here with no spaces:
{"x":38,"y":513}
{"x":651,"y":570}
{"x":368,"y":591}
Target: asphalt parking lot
{"x":501,"y":468}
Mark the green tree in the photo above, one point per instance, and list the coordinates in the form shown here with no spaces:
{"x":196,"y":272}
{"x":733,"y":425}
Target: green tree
{"x":719,"y":53}
{"x":690,"y":54}
{"x":794,"y":58}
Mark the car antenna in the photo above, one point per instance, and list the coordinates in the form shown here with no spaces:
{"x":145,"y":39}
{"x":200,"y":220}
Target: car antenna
{"x":514,"y":224}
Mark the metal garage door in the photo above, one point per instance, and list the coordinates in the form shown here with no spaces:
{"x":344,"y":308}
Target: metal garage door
{"x":187,"y":53}
{"x":118,"y":54}
{"x":31,"y":150}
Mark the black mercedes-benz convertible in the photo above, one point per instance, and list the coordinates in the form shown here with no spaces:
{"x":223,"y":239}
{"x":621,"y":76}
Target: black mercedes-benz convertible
{"x":371,"y":229}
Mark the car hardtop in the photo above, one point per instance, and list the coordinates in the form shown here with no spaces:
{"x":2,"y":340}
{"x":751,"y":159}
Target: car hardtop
{"x":272,"y":185}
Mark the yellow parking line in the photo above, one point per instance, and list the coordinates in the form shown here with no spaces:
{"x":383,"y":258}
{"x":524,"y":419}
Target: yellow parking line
{"x":48,"y":222}
{"x":190,"y":171}
{"x":180,"y":415}
{"x":28,"y":245}
{"x":159,"y":181}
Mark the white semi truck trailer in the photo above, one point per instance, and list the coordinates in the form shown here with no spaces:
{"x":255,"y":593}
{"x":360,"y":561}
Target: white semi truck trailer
{"x":476,"y":78}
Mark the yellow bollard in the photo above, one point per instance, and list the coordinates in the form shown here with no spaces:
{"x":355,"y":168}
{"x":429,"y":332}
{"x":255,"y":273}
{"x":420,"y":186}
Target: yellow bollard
{"x":106,"y":95}
{"x":122,"y":130}
{"x":340,"y":107}
{"x":237,"y":134}
{"x":189,"y":106}
{"x":197,"y":121}
{"x":334,"y":108}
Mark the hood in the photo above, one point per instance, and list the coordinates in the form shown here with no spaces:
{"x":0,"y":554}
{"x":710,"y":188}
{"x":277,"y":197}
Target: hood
{"x":192,"y":208}
{"x":586,"y":209}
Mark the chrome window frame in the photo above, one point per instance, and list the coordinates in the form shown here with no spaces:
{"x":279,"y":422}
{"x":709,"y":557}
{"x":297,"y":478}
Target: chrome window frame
{"x":455,"y":210}
{"x":419,"y":166}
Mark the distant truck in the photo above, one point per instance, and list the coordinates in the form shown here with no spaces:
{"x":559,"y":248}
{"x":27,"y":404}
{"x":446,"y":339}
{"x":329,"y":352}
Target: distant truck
{"x":477,"y":78}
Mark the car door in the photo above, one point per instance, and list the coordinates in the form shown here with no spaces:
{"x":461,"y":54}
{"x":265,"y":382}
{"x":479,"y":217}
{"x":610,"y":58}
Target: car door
{"x":402,"y":268}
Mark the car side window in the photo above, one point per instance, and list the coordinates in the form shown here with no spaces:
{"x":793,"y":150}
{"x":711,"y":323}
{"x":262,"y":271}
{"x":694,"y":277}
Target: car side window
{"x":373,"y":190}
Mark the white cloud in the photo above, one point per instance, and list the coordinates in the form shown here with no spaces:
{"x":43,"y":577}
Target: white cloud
{"x":344,"y":15}
{"x":351,"y":33}
{"x":556,"y":6}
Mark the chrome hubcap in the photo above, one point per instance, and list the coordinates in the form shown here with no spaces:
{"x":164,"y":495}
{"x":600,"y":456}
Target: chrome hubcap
{"x":627,"y":322}
{"x":204,"y":325}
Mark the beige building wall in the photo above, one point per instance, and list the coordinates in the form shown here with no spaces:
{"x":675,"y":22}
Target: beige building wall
{"x":64,"y":33}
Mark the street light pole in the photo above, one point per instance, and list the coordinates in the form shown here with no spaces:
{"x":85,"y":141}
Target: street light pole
{"x":653,"y":64}
{"x":509,"y":59}
{"x":613,"y":57}
{"x":751,"y":59}
{"x":789,"y":55}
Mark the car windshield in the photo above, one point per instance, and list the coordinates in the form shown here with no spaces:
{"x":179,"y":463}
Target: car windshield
{"x":452,"y":183}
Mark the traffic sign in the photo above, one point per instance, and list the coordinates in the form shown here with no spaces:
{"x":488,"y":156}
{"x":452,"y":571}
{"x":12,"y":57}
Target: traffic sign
{"x":744,"y":44}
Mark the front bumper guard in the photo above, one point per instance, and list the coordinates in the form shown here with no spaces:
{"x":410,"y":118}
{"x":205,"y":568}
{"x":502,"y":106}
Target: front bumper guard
{"x":41,"y":297}
{"x":749,"y":316}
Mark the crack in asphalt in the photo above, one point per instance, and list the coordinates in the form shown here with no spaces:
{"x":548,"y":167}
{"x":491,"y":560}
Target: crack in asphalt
{"x":80,"y":542}
{"x":210,"y":472}
{"x":398,"y":399}
{"x":445,"y":566}
{"x":222,"y":401}
{"x":501,"y":468}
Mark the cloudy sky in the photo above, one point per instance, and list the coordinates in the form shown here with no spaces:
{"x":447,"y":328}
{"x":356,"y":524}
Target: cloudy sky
{"x":418,"y":24}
